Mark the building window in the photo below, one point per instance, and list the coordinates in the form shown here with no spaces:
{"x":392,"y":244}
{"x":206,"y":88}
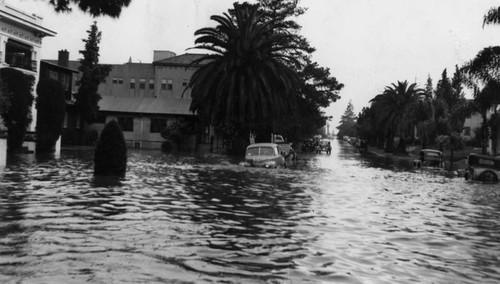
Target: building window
{"x":157,"y":125}
{"x":65,"y":81}
{"x":169,"y":85}
{"x":163,"y":84}
{"x":142,"y":84}
{"x":65,"y":122}
{"x":19,"y":55}
{"x":115,"y":80}
{"x":151,"y":84}
{"x":120,"y":81}
{"x":53,"y":75}
{"x":132,"y":83}
{"x":126,"y":123}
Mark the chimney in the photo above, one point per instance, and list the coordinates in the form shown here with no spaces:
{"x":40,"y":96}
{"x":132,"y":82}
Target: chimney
{"x":63,"y":59}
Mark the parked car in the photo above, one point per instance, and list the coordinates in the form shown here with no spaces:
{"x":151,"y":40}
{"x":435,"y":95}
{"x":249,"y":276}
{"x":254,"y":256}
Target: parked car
{"x":267,"y":155}
{"x":429,"y":158}
{"x":483,"y":168}
{"x":323,"y":146}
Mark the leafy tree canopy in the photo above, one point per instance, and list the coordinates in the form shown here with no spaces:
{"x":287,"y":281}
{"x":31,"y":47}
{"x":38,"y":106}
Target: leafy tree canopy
{"x":112,"y":8}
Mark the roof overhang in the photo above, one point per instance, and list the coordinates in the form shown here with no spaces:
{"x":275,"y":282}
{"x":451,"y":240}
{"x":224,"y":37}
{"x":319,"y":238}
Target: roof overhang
{"x":31,"y":22}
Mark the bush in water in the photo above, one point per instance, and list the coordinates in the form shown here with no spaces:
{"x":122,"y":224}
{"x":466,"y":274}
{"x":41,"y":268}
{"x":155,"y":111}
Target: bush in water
{"x":50,"y":104}
{"x":110,"y":157}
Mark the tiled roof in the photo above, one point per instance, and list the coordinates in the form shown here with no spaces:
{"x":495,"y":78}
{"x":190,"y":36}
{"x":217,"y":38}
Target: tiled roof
{"x":145,"y":105}
{"x":180,"y":60}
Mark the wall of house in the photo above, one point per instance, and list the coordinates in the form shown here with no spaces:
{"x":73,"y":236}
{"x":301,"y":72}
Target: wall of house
{"x":121,"y":77}
{"x":141,"y":136}
{"x":471,"y":124}
{"x":32,"y":38}
{"x":178,"y":76}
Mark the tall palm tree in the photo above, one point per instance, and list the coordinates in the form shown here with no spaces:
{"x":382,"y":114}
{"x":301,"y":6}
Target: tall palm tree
{"x":482,"y":75}
{"x":395,"y":109}
{"x":246,"y":82}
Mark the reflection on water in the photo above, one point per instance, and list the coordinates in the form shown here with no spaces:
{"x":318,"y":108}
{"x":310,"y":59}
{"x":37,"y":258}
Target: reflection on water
{"x":343,"y":218}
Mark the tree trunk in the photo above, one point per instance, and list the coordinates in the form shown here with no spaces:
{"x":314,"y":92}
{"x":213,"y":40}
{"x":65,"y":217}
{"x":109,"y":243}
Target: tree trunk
{"x":451,"y":159}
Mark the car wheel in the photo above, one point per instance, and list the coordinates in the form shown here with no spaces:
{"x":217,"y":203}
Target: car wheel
{"x":488,"y":176}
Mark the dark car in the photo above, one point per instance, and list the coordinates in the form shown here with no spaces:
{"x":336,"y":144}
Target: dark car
{"x":483,"y":168}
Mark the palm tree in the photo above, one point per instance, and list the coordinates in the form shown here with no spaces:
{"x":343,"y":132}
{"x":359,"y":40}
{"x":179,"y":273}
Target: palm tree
{"x":394,"y":112}
{"x":482,"y":75}
{"x":246,"y":82}
{"x":492,"y":16}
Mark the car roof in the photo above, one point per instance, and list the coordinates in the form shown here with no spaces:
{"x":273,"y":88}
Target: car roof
{"x":483,"y":156}
{"x":431,"y":151}
{"x":262,"y":145}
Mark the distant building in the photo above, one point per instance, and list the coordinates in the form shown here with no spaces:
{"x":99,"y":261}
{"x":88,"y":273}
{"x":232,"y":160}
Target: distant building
{"x":21,"y":37}
{"x":61,"y":71}
{"x":148,"y":99}
{"x":473,"y":124}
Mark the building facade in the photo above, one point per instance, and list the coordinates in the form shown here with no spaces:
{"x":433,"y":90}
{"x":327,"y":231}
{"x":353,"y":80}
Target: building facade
{"x":61,"y":71}
{"x":150,"y":101}
{"x":21,"y":37}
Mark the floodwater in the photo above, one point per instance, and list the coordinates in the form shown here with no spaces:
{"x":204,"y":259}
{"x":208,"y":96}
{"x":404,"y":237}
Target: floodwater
{"x":342,"y":218}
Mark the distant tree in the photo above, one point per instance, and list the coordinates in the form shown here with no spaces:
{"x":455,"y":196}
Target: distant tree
{"x":347,"y":124}
{"x":444,"y":94}
{"x":395,"y":112}
{"x":247,"y":83}
{"x":93,"y":7}
{"x":426,"y":115}
{"x":110,"y":157}
{"x":365,"y":125}
{"x":93,"y":74}
{"x":16,"y":89}
{"x":452,"y":142}
{"x":482,"y":76}
{"x":50,"y":104}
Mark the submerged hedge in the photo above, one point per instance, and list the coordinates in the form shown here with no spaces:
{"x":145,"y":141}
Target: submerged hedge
{"x":110,"y":157}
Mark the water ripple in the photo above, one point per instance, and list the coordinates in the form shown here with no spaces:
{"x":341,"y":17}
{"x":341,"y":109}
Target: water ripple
{"x":343,"y":218}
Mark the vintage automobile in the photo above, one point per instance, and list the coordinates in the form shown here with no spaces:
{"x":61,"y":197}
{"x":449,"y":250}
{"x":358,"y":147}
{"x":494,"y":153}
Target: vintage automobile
{"x":267,"y":155}
{"x":429,"y":158}
{"x":323,"y":146}
{"x":483,"y":168}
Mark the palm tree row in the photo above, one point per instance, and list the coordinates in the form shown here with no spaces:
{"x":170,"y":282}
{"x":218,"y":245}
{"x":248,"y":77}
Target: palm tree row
{"x":438,"y":115}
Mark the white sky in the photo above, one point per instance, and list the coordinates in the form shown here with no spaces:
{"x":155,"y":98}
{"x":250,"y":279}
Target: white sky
{"x":367,"y":44}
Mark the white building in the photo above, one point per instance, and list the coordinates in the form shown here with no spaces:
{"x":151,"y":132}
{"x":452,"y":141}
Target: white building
{"x":21,"y":37}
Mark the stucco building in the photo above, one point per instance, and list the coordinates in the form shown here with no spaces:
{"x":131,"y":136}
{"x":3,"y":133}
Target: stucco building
{"x":21,"y":35}
{"x":151,"y":99}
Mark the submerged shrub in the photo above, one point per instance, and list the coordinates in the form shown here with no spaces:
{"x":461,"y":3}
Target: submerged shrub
{"x":110,"y":157}
{"x":16,"y":90}
{"x":50,"y":104}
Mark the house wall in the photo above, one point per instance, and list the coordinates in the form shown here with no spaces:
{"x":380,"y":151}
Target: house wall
{"x":168,"y":82}
{"x":471,"y":124}
{"x":19,"y":29}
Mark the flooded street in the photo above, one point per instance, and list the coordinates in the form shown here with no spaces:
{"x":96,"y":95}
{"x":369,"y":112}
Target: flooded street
{"x":342,"y":218}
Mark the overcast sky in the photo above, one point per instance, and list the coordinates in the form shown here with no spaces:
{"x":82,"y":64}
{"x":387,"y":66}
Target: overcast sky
{"x":367,"y":44}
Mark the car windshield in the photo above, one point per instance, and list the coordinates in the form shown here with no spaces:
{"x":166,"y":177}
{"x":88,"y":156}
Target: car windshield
{"x":253,"y":151}
{"x":488,"y":162}
{"x":266,"y":151}
{"x":262,"y":151}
